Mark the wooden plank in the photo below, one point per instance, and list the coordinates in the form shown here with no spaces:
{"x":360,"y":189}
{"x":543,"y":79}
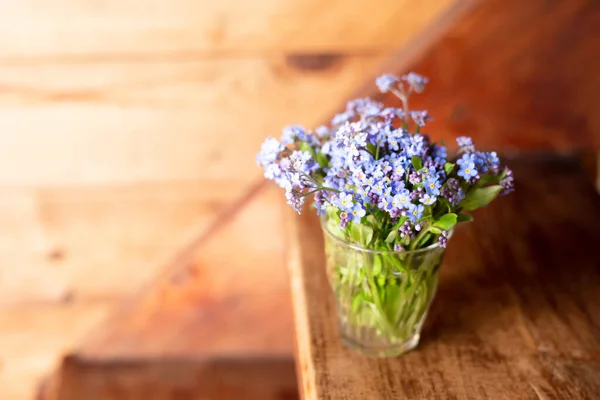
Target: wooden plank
{"x":220,"y":314}
{"x":513,"y":74}
{"x":98,"y":242}
{"x":106,"y":123}
{"x":516,"y":314}
{"x":218,"y":298}
{"x":61,"y":29}
{"x":33,"y":338}
{"x":265,"y":378}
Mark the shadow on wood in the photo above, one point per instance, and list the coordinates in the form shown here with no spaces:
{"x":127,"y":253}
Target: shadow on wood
{"x":178,"y":379}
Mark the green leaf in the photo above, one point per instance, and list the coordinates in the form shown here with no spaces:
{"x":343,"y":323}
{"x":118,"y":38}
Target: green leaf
{"x":446,"y":221}
{"x":306,"y":147}
{"x":381,"y":282}
{"x":376,"y":265}
{"x":448,"y":167}
{"x":371,"y":220}
{"x":356,"y":302}
{"x":423,"y":240}
{"x":435,"y":230}
{"x":417,"y":163}
{"x":371,"y":148}
{"x":392,"y":236}
{"x":502,"y":174}
{"x":480,"y":197}
{"x":361,"y":234}
{"x":322,"y":159}
{"x":464,"y":217}
{"x":444,"y":204}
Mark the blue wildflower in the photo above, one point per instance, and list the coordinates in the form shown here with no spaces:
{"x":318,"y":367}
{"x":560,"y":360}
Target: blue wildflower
{"x":398,"y":186}
{"x":344,"y":201}
{"x":272,"y":171}
{"x":466,"y":144}
{"x":386,"y":82}
{"x":269,"y":151}
{"x":420,"y":117}
{"x":467,"y":169}
{"x":440,"y":155}
{"x":384,"y":202}
{"x":415,"y":81}
{"x":432,"y":186}
{"x":323,"y":131}
{"x":458,"y":197}
{"x":403,"y":199}
{"x":428,"y":199}
{"x":507,"y":182}
{"x":342,"y":118}
{"x":344,"y":219}
{"x":292,"y":133}
{"x":415,"y":212}
{"x":488,"y":161}
{"x":357,"y":213}
{"x":464,"y":141}
{"x":390,"y":113}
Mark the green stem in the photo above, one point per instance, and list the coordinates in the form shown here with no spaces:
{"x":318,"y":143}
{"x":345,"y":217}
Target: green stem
{"x":418,"y":238}
{"x":376,"y":299}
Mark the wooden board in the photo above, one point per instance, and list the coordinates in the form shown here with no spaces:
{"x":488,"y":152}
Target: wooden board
{"x":99,"y":123}
{"x":34,"y":337}
{"x":516,"y":316}
{"x":132,"y":92}
{"x":117,"y":121}
{"x":221,"y":305}
{"x":229,"y":282}
{"x":513,"y":74}
{"x":65,"y":30}
{"x":95,"y":242}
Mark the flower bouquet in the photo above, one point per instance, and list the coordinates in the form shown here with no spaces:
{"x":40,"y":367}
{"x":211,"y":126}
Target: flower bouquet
{"x":388,"y":198}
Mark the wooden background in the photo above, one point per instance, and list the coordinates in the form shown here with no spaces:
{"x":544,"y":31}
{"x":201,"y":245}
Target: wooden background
{"x":127,"y":126}
{"x":128,"y":131}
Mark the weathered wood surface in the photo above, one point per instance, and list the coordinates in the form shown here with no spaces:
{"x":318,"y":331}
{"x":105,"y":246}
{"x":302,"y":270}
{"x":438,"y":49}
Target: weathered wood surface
{"x":513,"y":74}
{"x":517,"y":314}
{"x":126,"y":127}
{"x":262,"y":378}
{"x":107,"y":92}
{"x":224,"y":299}
{"x":67,"y":30}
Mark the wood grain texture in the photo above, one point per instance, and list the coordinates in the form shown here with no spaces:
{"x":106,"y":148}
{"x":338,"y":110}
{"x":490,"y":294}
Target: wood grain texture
{"x":34,"y":337}
{"x":106,"y":123}
{"x":227,"y":294}
{"x":137,"y":92}
{"x":214,"y":325}
{"x":69,"y":29}
{"x":120,"y":124}
{"x":78,"y":243}
{"x":516,"y":315}
{"x":512,"y":74}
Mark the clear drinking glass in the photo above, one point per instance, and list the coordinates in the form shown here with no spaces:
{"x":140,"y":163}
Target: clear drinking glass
{"x":382,"y":296}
